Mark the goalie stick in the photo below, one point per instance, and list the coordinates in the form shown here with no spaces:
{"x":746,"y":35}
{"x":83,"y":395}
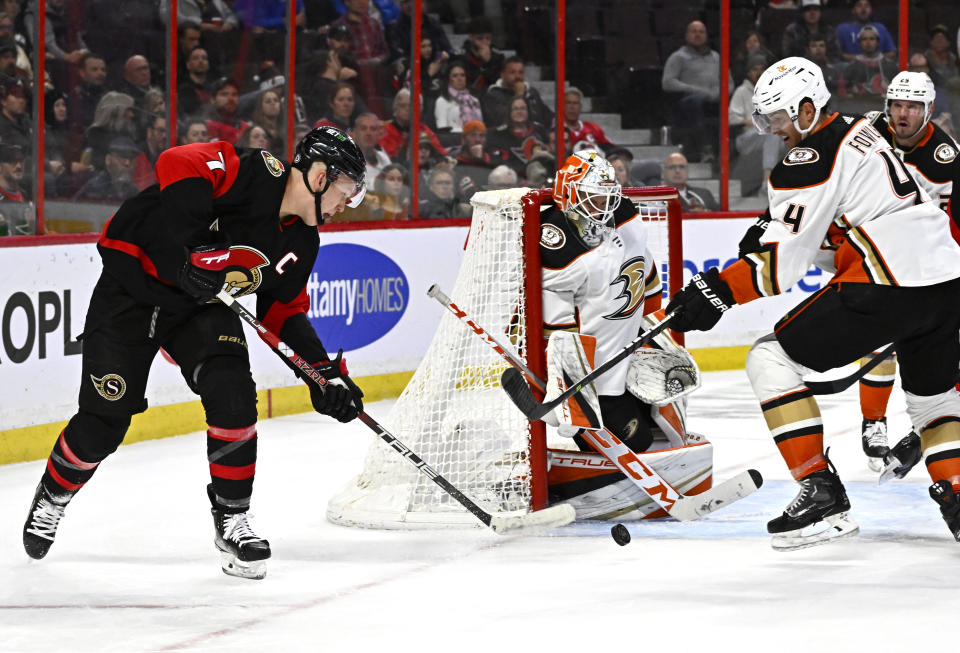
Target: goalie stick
{"x":678,"y":506}
{"x":501,"y":523}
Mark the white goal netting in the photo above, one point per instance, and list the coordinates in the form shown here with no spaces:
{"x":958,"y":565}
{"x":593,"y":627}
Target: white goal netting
{"x":453,"y":413}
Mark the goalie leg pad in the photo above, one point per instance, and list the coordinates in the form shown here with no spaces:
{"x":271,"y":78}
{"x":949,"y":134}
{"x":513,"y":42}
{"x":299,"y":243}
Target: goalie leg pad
{"x":570,"y":357}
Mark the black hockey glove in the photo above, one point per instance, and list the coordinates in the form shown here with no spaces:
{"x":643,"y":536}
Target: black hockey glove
{"x":701,"y":302}
{"x":750,"y":242}
{"x":204,"y":273}
{"x":341,"y":399}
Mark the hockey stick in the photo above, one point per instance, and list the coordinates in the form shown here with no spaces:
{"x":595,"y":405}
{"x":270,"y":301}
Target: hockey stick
{"x":839,"y":385}
{"x":679,"y":506}
{"x":519,"y":392}
{"x":502,"y":523}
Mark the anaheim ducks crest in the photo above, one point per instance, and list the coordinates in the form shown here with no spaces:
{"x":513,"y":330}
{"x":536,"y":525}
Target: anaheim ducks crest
{"x":109,"y":386}
{"x":945,"y":153}
{"x":632,"y":276}
{"x":244,"y":270}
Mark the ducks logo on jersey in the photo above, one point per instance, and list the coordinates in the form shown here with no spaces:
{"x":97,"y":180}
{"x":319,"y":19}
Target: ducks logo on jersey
{"x":633,"y":279}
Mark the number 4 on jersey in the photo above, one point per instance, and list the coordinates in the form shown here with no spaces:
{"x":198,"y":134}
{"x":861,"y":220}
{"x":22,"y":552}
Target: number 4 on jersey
{"x":793,"y":216}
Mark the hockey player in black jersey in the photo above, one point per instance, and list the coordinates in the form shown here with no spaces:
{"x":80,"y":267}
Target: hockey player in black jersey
{"x":842,"y":200}
{"x":218,"y":218}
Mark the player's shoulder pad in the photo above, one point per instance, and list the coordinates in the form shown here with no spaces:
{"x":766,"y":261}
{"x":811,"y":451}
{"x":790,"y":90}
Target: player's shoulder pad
{"x":937,"y":158}
{"x":811,"y":162}
{"x":560,"y":245}
{"x":625,"y":212}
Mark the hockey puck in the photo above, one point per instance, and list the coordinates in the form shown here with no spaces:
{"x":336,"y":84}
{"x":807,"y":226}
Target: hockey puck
{"x":620,"y":534}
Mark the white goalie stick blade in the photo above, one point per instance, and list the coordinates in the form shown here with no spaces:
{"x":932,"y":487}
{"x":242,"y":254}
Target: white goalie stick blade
{"x":837,"y":526}
{"x":529,"y":522}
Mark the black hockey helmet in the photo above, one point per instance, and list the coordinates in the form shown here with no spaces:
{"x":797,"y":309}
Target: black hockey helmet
{"x":341,"y":155}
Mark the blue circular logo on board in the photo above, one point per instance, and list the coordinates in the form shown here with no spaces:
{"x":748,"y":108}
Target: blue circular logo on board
{"x":357,"y":294}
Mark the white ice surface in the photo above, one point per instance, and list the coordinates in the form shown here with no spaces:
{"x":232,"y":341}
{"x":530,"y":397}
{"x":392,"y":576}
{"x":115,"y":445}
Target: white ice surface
{"x":134,"y":567}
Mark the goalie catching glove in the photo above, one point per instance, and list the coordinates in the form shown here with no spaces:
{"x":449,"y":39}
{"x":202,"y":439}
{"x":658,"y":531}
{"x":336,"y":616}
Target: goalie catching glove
{"x":701,"y":302}
{"x":341,"y":398}
{"x":661,"y":375}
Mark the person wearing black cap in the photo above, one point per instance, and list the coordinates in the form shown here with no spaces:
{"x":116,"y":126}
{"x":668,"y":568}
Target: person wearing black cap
{"x":224,"y":123}
{"x":16,"y":210}
{"x":482,"y":61}
{"x":115,"y":182}
{"x":810,"y":21}
{"x":220,"y":219}
{"x":14,"y":121}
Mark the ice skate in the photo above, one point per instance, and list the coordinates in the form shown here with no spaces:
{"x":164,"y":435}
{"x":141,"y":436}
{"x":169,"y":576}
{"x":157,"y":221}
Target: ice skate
{"x":874,"y":438}
{"x":40,"y":529}
{"x":942,"y":493}
{"x":901,"y":458}
{"x":817,"y":515}
{"x":242,"y":552}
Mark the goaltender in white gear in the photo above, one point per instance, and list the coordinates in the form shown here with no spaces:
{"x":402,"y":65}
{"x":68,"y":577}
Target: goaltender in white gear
{"x":600,"y":279}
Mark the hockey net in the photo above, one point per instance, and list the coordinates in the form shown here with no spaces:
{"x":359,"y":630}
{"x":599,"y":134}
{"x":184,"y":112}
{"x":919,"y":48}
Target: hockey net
{"x":453,"y":413}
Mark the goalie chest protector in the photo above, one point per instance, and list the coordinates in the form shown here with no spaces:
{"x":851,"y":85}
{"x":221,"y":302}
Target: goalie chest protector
{"x":601,"y":291}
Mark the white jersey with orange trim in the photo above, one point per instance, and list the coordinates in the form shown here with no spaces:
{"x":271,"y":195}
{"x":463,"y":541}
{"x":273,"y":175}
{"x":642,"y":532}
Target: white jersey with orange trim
{"x":844,"y":201}
{"x":604,"y":291}
{"x":931,"y":161}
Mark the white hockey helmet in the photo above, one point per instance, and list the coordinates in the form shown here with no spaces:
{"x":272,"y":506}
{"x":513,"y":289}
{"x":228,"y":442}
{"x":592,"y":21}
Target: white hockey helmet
{"x":913,"y":87}
{"x":784,"y":86}
{"x":586,"y":189}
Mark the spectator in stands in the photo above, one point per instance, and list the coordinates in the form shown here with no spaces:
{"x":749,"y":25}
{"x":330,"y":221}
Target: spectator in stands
{"x":300,"y":130}
{"x":7,"y":33}
{"x":267,"y":114}
{"x":519,"y":138}
{"x":945,"y":107}
{"x":809,"y":22}
{"x":622,"y":161}
{"x":848,"y":34}
{"x":538,"y":173}
{"x":396,"y":132}
{"x":473,"y":161}
{"x":254,"y":136}
{"x":136,"y":78}
{"x":456,"y":104}
{"x":154,"y":142}
{"x":399,"y":31}
{"x":580,"y":134}
{"x":321,"y":77}
{"x":369,"y":43}
{"x":868,"y":75}
{"x":16,"y":210}
{"x":817,"y":48}
{"x":62,"y":37}
{"x":483,"y":63}
{"x":497,"y":99}
{"x":501,"y":178}
{"x":118,"y":30}
{"x":440,"y":200}
{"x":8,"y":59}
{"x":942,"y":62}
{"x":675,"y":173}
{"x":15,"y":126}
{"x":392,"y":189}
{"x":759,"y":153}
{"x":753,"y":43}
{"x":267,"y":22}
{"x":115,"y":182}
{"x":224,"y":124}
{"x":153,"y":103}
{"x":431,"y":69}
{"x":188,"y":38}
{"x":342,"y":109}
{"x":114,"y":118}
{"x":212,"y":16}
{"x":85,"y":96}
{"x":193,"y":94}
{"x":367,"y":132}
{"x":340,"y":40}
{"x":195,"y":131}
{"x":692,"y":73}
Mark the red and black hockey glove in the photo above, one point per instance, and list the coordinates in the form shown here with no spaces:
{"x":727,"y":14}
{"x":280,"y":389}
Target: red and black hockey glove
{"x":341,"y":399}
{"x":701,"y":302}
{"x":204,"y":273}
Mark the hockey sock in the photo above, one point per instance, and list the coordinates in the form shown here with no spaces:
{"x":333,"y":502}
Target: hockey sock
{"x":876,"y":387}
{"x":232,"y":454}
{"x":83,"y":443}
{"x":940,"y":442}
{"x":797,"y":428}
{"x":66,"y":473}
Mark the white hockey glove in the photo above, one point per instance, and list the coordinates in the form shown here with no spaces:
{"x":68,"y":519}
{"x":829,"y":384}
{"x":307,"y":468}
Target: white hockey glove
{"x":570,"y":357}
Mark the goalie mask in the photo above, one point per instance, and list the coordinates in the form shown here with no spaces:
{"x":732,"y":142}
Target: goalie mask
{"x":780,"y":91}
{"x":586,"y":190}
{"x":911,"y":87}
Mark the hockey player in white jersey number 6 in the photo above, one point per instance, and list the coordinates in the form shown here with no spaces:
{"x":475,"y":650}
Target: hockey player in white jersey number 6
{"x":600,"y":279}
{"x":841,"y":199}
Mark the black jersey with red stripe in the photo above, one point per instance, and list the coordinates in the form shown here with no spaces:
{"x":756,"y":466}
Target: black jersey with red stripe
{"x":214,"y":193}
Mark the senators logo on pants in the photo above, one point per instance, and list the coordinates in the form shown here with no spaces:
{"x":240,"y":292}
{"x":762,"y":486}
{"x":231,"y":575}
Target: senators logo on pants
{"x":110,"y":386}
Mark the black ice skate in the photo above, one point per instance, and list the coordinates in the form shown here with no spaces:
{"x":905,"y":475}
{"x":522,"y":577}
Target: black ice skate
{"x":874,"y":438}
{"x":820,"y":509}
{"x":901,"y":458}
{"x":40,"y":529}
{"x":242,"y":552}
{"x":942,"y":493}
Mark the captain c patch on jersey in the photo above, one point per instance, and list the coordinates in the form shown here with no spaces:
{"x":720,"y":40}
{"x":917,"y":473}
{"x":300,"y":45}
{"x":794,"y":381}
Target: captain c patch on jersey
{"x":799,"y":155}
{"x":552,"y":237}
{"x":945,"y":153}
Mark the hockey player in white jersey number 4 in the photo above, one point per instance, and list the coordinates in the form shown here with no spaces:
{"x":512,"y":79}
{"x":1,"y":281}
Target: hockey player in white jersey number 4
{"x":841,"y":199}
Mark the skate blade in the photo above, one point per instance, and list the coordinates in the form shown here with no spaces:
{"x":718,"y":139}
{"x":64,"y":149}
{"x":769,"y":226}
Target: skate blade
{"x":255,"y":570}
{"x":838,"y":526}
